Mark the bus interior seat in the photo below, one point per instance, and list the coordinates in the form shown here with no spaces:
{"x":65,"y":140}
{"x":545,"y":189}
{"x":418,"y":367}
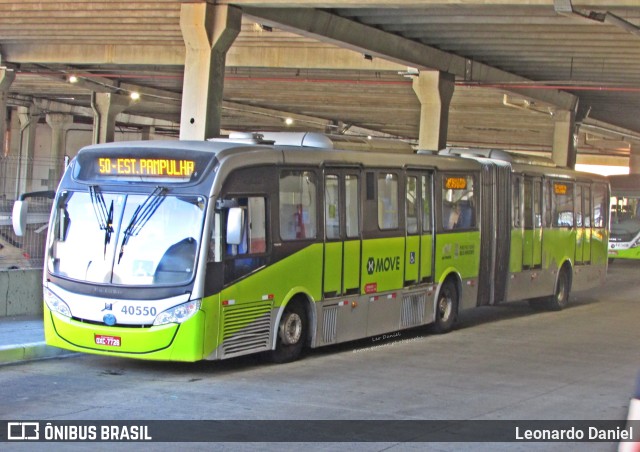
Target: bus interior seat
{"x":177,"y":261}
{"x":465,"y":218}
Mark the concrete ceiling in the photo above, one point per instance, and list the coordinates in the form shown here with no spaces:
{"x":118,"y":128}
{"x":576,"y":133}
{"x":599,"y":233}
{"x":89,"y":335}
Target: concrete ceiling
{"x":339,"y":65}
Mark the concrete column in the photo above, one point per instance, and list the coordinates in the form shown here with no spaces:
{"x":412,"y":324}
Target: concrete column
{"x":434,"y":90}
{"x":634,"y":159}
{"x":59,"y":124}
{"x":146,"y":132}
{"x":564,"y":149}
{"x":28,"y":117}
{"x":208,"y":32}
{"x":6,"y":79}
{"x":106,"y":106}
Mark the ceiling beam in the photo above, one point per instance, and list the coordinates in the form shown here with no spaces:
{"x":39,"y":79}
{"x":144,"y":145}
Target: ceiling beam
{"x":272,"y":56}
{"x":343,"y":32}
{"x":422,"y":3}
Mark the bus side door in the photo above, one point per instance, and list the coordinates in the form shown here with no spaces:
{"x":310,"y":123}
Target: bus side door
{"x":583,"y":223}
{"x":419,"y":246}
{"x":579,"y":223}
{"x":342,"y":242}
{"x":517,"y":228}
{"x":532,"y":249}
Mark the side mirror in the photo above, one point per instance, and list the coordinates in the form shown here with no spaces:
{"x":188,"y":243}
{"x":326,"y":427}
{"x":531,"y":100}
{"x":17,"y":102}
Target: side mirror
{"x":235,"y":226}
{"x":19,"y":217}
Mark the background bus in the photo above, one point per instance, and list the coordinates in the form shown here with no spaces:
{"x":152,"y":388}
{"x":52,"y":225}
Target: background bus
{"x":624,"y":242}
{"x":269,"y":243}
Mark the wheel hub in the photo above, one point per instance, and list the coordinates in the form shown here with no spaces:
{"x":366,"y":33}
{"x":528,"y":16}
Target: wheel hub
{"x":444,"y":308}
{"x":291,"y":329}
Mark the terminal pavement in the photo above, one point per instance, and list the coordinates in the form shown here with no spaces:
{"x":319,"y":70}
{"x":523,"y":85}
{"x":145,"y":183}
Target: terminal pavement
{"x":22,"y":339}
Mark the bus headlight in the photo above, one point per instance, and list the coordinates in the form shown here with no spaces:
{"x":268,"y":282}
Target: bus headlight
{"x":55,"y":304}
{"x":178,"y":314}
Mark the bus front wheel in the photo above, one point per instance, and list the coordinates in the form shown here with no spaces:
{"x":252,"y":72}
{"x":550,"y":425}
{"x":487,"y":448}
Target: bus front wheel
{"x":292,"y":334}
{"x":446,"y":307}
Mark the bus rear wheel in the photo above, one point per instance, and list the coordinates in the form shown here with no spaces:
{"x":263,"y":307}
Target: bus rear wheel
{"x":292,"y":334}
{"x":560,"y":298}
{"x":446,"y":307}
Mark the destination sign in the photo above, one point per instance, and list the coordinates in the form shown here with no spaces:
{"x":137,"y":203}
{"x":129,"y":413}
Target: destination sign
{"x":560,"y":189}
{"x":145,"y":167}
{"x":455,"y":183}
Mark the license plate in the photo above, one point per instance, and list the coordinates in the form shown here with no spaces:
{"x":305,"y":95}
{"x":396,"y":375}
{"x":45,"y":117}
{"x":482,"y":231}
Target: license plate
{"x":111,"y":341}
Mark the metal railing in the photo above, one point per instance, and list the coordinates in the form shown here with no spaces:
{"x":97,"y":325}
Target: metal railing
{"x":26,"y":251}
{"x":17,"y":176}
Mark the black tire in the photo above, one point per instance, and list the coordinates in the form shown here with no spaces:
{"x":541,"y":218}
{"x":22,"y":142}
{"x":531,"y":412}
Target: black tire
{"x":560,"y":298}
{"x":538,"y":304}
{"x":446,"y":308}
{"x":611,"y":259}
{"x":292,"y":334}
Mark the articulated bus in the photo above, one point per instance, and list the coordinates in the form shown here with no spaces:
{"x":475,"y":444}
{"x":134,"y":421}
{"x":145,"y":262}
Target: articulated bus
{"x":624,"y":242}
{"x":271,"y":243}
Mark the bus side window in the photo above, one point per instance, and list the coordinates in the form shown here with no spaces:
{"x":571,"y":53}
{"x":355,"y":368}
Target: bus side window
{"x":426,"y":203}
{"x":599,"y":209}
{"x":412,"y":203}
{"x":562,"y":204}
{"x":458,"y":206}
{"x":388,"y":201}
{"x":298,"y":208}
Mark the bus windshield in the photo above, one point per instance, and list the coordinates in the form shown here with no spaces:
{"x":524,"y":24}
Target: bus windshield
{"x":625,"y":218}
{"x":125,"y":239}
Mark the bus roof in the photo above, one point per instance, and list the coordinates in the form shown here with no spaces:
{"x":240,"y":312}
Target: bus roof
{"x":625,"y":184}
{"x":317,"y":149}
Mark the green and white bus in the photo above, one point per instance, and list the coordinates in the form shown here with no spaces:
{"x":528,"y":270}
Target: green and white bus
{"x":274,"y":242}
{"x":624,"y":242}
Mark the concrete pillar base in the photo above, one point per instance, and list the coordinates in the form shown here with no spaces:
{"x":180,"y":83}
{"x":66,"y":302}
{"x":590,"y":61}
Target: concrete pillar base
{"x":434,"y":90}
{"x":564,"y":149}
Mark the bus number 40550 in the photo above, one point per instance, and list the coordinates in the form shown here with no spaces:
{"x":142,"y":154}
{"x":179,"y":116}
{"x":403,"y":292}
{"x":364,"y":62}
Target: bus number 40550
{"x":139,"y":310}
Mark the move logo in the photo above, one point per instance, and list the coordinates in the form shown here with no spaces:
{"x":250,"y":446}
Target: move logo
{"x":383,"y":264}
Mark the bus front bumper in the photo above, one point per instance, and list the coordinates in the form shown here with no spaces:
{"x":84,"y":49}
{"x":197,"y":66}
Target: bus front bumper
{"x":171,"y":342}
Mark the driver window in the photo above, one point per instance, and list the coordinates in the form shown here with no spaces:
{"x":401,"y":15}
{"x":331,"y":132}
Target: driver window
{"x":254,"y":229}
{"x":250,"y":254}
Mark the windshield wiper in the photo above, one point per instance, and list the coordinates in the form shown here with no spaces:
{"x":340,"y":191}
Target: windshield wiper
{"x":104,"y":216}
{"x":141,"y":216}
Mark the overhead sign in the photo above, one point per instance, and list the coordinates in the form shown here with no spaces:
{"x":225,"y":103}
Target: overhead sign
{"x":145,"y":167}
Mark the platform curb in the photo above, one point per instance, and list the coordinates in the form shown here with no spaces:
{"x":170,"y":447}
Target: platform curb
{"x":31,"y":351}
